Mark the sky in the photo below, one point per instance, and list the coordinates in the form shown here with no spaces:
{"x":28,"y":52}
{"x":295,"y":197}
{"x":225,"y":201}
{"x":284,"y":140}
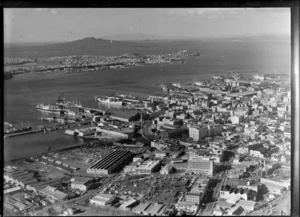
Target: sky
{"x":67,"y":24}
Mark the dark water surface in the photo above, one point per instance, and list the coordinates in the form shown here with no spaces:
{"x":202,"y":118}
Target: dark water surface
{"x":23,"y":92}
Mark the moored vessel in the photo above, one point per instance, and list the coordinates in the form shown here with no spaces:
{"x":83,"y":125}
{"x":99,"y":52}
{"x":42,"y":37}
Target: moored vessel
{"x":111,"y":100}
{"x":49,"y":108}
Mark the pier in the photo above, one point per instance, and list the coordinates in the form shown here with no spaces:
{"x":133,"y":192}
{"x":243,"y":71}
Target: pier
{"x":22,"y":133}
{"x":86,"y":109}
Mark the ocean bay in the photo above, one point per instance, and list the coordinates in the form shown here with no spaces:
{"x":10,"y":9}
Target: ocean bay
{"x":25,"y":91}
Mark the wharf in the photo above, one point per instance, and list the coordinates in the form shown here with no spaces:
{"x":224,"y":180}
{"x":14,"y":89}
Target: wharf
{"x":22,"y":133}
{"x":91,"y":110}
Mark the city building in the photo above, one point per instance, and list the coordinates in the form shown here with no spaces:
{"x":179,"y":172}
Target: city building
{"x":200,"y":165}
{"x":82,"y":184}
{"x":236,"y":119}
{"x":148,"y":167}
{"x":228,"y":191}
{"x":193,"y":197}
{"x":214,"y":130}
{"x":186,"y":206}
{"x":198,"y":132}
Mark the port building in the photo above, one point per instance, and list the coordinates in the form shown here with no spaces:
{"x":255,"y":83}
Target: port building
{"x":112,"y":162}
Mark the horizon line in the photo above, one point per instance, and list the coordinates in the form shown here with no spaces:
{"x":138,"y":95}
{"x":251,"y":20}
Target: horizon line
{"x":159,"y":38}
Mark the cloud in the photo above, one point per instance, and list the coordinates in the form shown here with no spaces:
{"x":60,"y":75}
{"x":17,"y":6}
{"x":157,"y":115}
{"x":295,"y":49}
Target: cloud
{"x":216,"y":13}
{"x":54,"y":11}
{"x":40,"y":9}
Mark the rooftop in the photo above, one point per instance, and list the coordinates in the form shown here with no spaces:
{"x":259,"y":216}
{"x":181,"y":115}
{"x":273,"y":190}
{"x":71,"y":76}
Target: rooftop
{"x":54,"y":193}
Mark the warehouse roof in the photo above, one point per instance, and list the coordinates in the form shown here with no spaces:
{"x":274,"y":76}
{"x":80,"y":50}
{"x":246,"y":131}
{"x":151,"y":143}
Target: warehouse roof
{"x":54,"y":193}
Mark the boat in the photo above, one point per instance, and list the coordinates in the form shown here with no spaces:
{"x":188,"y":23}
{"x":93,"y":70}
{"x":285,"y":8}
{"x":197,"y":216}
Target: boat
{"x":63,"y":102}
{"x":111,"y":100}
{"x":219,"y":77}
{"x":178,"y":85}
{"x":199,"y":84}
{"x":18,"y":130}
{"x":49,"y":108}
{"x":71,"y":113}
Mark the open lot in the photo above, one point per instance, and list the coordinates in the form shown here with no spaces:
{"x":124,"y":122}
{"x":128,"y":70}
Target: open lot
{"x":160,"y":189}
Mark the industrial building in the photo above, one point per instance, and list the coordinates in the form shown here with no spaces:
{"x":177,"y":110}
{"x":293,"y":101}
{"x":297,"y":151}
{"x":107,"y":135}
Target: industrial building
{"x":112,"y":162}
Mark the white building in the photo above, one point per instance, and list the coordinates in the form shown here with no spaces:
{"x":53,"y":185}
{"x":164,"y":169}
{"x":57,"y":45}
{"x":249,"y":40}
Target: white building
{"x":102,"y":199}
{"x":148,"y":167}
{"x":186,"y":206}
{"x":236,"y":119}
{"x":81,"y":184}
{"x":198,"y":132}
{"x":274,"y":187}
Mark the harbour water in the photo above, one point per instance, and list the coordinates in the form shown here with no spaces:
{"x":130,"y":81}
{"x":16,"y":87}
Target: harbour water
{"x":25,"y":91}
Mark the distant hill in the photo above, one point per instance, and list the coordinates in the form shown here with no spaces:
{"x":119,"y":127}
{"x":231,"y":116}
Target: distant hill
{"x":85,"y":46}
{"x":133,"y":55}
{"x":133,"y":37}
{"x":89,"y":46}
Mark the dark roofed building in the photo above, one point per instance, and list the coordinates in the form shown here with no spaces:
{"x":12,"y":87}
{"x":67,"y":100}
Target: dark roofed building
{"x":111,"y":162}
{"x":126,"y":116}
{"x":228,"y":191}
